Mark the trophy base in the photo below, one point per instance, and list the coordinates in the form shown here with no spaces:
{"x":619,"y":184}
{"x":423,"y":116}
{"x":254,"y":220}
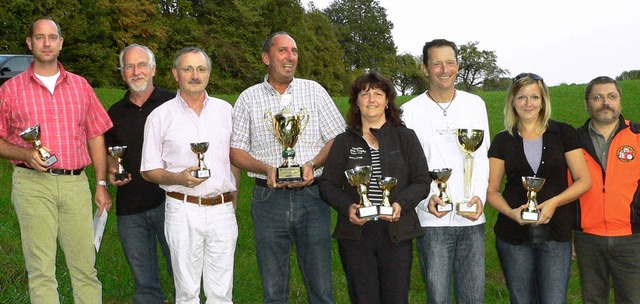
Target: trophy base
{"x":446,"y":208}
{"x":530,"y":216}
{"x":367,"y":212}
{"x":121,"y":176}
{"x":385,"y":210}
{"x":50,"y":160}
{"x":463,"y":209}
{"x":289,"y":174}
{"x":202,"y":173}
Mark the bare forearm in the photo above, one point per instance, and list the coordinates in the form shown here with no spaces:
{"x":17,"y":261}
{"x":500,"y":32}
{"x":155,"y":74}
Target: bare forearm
{"x":320,"y":159}
{"x":161,"y":177}
{"x":13,"y":152}
{"x":243,"y":160}
{"x":97,"y":152}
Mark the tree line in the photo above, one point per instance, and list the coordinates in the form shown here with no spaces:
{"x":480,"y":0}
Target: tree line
{"x":336,"y":44}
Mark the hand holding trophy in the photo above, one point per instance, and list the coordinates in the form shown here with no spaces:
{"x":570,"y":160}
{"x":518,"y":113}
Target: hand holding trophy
{"x":440,"y":176}
{"x":533,"y":185}
{"x":360,"y":177}
{"x":287,"y":127}
{"x":32,"y":135}
{"x":386,"y":184}
{"x":118,"y":152}
{"x":200,"y":149}
{"x":469,"y":140}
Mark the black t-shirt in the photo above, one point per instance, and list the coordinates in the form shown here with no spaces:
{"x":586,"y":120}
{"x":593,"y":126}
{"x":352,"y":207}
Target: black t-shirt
{"x":128,"y":130}
{"x":558,"y":139}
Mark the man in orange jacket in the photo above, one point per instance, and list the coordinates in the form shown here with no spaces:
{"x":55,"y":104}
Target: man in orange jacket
{"x":608,"y":242}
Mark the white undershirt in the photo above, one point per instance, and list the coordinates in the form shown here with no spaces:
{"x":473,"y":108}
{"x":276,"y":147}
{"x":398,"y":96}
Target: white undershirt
{"x":49,"y":81}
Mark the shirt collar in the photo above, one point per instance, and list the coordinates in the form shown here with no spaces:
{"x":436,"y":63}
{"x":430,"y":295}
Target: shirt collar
{"x":272,"y":90}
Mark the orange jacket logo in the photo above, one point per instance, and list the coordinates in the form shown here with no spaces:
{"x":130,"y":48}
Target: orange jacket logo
{"x":626,"y":153}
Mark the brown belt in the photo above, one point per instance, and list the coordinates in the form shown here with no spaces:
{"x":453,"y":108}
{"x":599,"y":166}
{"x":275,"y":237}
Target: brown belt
{"x":207,"y":201}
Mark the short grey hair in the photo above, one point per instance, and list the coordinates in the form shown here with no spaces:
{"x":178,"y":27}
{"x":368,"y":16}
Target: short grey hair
{"x":190,"y":49}
{"x":152,"y":58}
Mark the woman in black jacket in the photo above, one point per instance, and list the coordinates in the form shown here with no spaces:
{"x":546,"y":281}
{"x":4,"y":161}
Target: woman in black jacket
{"x":377,"y":252}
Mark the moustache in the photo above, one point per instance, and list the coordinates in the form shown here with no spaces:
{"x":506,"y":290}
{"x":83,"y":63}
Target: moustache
{"x":195,"y":81}
{"x":606,"y":107}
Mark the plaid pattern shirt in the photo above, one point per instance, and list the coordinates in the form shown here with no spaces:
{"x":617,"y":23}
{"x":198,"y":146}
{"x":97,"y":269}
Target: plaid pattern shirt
{"x":67,"y":118}
{"x":250,"y":131}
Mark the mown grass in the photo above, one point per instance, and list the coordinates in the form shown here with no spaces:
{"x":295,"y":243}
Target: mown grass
{"x":113,"y":271}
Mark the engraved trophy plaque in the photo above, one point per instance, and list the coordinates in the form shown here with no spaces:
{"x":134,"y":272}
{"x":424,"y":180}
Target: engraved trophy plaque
{"x":533,"y":185}
{"x":32,"y":135}
{"x":440,"y":176}
{"x":359,"y":177}
{"x":118,"y":152}
{"x":469,"y":140}
{"x":200,"y":149}
{"x":386,"y":184}
{"x":287,"y":127}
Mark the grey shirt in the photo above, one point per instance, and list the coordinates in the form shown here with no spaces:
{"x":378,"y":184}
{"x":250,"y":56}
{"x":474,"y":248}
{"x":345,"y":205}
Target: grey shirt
{"x":601,"y":144}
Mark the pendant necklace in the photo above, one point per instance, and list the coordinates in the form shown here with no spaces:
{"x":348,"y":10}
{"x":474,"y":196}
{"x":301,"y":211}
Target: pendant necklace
{"x":444,"y":110}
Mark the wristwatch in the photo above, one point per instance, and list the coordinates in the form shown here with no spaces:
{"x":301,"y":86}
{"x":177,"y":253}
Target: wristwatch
{"x":102,"y":183}
{"x":313,"y":165}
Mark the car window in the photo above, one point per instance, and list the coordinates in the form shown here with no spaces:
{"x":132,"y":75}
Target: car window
{"x":17,"y":64}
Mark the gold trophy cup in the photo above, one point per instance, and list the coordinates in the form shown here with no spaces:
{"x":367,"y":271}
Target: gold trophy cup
{"x":200,"y":149}
{"x":469,"y":140}
{"x":440,"y":176}
{"x":32,"y":135}
{"x":118,"y":152}
{"x":386,"y":184}
{"x":287,"y":127}
{"x":533,"y":185}
{"x":360,"y":177}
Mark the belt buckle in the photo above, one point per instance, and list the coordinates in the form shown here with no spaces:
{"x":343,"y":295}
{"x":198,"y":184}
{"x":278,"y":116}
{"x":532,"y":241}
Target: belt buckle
{"x":51,"y":172}
{"x":200,"y":201}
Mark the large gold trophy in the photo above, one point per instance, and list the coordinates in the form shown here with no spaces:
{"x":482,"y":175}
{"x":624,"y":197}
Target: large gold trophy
{"x":533,"y":185}
{"x":441,"y":176}
{"x":287,"y":127}
{"x":32,"y":135}
{"x":386,"y":184}
{"x":360,"y":177}
{"x":469,"y":140}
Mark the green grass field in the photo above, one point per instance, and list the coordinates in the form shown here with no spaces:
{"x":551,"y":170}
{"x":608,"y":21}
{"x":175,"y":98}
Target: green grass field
{"x":113,"y":271}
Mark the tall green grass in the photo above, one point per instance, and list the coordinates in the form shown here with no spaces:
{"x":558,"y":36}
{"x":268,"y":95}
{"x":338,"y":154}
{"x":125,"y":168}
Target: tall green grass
{"x":113,"y":271}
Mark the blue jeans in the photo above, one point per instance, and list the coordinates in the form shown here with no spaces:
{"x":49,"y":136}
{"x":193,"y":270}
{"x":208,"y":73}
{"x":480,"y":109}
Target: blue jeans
{"x":139,"y":236}
{"x":604,"y":259}
{"x":282,"y":218}
{"x":453,"y":250}
{"x":537,"y":271}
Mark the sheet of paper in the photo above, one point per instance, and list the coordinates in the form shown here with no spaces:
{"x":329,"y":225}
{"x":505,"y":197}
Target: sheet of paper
{"x":99,"y":222}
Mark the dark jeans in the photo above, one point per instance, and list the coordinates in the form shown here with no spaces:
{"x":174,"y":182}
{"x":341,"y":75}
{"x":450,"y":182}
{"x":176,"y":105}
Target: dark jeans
{"x":605,"y":258}
{"x":139,"y":236}
{"x":377,"y":270}
{"x":453,"y":251}
{"x":282,"y":218}
{"x":536,"y":272}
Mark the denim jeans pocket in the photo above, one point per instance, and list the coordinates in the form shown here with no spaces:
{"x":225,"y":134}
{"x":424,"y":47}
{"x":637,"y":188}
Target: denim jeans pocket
{"x":261,"y":194}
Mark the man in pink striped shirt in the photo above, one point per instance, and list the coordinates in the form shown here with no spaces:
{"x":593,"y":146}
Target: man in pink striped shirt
{"x":53,"y":203}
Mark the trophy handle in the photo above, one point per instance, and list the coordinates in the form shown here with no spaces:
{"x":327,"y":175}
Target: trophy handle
{"x":268,"y":120}
{"x":305,"y":118}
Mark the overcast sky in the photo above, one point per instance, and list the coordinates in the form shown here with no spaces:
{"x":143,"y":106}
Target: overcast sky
{"x":564,"y":41}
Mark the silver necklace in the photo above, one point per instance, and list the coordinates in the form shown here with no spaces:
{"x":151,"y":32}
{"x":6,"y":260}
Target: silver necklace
{"x":444,"y":110}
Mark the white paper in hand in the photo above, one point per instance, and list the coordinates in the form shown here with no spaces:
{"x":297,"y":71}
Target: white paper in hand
{"x":99,"y":222}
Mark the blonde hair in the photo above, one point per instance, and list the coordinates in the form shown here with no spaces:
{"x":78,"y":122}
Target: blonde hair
{"x":511,"y":118}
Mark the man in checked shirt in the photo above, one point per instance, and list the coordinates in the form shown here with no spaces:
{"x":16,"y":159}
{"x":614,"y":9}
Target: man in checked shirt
{"x":52,"y":202}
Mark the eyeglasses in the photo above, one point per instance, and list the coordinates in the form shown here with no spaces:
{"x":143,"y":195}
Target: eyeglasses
{"x":535,"y":77}
{"x":140,"y":66}
{"x":189,"y":69}
{"x":610,"y":96}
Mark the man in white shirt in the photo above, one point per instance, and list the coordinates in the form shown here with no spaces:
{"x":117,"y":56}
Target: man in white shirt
{"x":200,"y":221}
{"x":453,"y":244}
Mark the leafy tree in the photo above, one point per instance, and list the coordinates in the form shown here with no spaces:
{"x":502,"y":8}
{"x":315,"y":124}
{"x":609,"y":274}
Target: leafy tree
{"x":406,"y":73}
{"x":477,"y":66}
{"x":629,"y":75}
{"x":320,"y":53}
{"x":364,"y":32}
{"x":499,"y":84}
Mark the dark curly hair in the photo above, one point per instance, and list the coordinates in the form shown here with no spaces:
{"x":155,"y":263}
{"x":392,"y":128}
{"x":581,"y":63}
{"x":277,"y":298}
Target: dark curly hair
{"x":373,"y":80}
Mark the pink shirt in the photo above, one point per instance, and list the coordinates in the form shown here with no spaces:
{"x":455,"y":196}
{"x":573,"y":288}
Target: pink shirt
{"x":67,"y":118}
{"x":173,"y":126}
